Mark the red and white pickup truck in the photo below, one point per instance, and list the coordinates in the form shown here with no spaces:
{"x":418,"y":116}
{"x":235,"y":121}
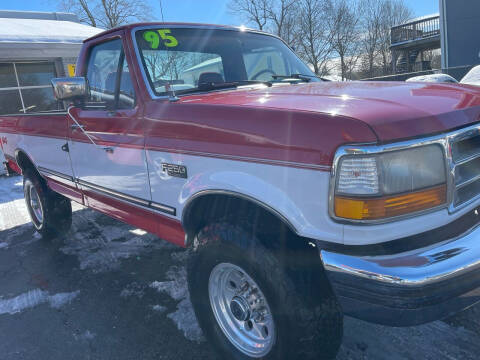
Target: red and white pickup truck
{"x":301,"y":200}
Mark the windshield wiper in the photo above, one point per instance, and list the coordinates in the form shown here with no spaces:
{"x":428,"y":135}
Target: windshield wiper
{"x":229,"y":84}
{"x":208,"y":86}
{"x":303,"y":77}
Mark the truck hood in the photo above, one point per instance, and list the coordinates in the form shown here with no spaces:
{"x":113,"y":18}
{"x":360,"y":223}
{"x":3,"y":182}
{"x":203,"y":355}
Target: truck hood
{"x":393,"y":110}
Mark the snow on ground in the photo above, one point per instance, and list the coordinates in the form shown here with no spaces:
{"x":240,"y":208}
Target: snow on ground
{"x":176,"y":287}
{"x":87,"y":335}
{"x":33,"y":298}
{"x":101,"y":248}
{"x":159,"y":308}
{"x":12,"y":204}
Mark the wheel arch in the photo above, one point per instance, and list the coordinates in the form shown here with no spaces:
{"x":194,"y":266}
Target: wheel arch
{"x":213,"y":205}
{"x":24,"y":161}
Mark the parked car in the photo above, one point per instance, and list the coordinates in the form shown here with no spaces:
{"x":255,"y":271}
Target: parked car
{"x":472,"y":77}
{"x":442,"y":78}
{"x":301,"y":201}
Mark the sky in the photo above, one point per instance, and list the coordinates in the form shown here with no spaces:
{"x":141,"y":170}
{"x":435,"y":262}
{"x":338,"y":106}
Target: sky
{"x":203,"y":11}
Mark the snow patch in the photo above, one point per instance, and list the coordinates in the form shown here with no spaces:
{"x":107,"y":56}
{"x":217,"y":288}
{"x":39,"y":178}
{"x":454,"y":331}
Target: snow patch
{"x":87,"y":335}
{"x":58,"y":300}
{"x":101,"y":248}
{"x":159,"y":308}
{"x":184,"y":317}
{"x":33,"y":298}
{"x":133,"y":289}
{"x":3,"y":245}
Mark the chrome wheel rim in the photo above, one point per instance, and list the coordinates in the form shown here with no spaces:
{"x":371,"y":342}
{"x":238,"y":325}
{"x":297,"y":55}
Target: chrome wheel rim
{"x":241,"y":310}
{"x":36,"y":206}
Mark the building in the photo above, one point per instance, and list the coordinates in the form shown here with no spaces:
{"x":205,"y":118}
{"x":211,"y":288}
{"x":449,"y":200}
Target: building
{"x":35,"y":47}
{"x":411,"y":40}
{"x":454,"y":30}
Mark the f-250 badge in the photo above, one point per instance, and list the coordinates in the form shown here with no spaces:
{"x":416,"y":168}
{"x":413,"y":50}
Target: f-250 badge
{"x":175,"y":170}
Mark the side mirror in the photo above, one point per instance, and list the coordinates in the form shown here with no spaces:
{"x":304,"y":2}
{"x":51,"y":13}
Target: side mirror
{"x":69,"y":88}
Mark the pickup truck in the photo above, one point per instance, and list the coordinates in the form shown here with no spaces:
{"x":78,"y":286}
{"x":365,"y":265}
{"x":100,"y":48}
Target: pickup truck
{"x":300,"y":200}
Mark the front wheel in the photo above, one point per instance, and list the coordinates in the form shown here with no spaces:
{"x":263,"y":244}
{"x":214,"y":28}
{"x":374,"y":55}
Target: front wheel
{"x":249,"y":307}
{"x":51,"y":213}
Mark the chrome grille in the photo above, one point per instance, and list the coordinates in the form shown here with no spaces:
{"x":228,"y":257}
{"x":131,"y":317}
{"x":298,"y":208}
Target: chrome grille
{"x":465,"y":152}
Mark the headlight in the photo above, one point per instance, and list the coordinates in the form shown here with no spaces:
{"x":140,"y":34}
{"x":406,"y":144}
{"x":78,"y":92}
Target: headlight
{"x":384,"y":185}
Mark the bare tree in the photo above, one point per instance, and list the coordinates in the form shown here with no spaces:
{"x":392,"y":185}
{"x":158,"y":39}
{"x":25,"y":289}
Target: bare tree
{"x":345,"y":24}
{"x":315,"y":36}
{"x":253,"y":11}
{"x":371,"y":31}
{"x":282,"y":16}
{"x":276,"y":16}
{"x":394,"y":12}
{"x":107,"y":13}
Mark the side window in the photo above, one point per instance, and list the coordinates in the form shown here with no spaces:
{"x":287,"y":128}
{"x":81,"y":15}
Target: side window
{"x":126,"y":96}
{"x":107,"y":70}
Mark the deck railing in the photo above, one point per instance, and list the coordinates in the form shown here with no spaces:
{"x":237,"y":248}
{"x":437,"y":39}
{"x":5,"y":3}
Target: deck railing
{"x":416,"y":30}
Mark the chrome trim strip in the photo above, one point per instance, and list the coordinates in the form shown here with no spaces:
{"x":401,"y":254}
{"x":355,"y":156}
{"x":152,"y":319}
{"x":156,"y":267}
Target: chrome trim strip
{"x":468,"y":182}
{"x":440,"y":262}
{"x":467,"y":159}
{"x":416,"y":286}
{"x":244,"y":158}
{"x":188,"y":26}
{"x":150,"y":205}
{"x":56,"y":174}
{"x":443,"y":140}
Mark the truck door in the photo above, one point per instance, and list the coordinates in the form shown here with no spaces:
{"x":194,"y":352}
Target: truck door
{"x":106,"y":133}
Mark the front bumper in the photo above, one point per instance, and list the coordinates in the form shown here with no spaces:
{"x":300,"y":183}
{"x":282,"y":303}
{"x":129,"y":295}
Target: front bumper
{"x":408,"y":288}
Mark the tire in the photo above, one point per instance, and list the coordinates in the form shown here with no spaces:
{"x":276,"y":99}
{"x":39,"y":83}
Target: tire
{"x":51,"y":213}
{"x":303,"y":328}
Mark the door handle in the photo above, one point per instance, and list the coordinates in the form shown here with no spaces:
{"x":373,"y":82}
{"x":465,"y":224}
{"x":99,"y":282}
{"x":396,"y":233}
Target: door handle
{"x":77,"y":126}
{"x":108,"y":149}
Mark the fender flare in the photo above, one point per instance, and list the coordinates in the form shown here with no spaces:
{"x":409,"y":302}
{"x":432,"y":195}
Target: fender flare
{"x":20,"y":150}
{"x":189,"y":204}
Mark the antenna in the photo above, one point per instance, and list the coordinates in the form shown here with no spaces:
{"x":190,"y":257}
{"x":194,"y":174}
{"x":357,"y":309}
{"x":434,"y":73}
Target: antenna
{"x":161,"y":10}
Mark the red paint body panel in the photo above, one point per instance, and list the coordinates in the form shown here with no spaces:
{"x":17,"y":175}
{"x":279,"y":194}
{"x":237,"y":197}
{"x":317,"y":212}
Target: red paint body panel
{"x":393,"y":110}
{"x":252,"y":132}
{"x":167,"y":228}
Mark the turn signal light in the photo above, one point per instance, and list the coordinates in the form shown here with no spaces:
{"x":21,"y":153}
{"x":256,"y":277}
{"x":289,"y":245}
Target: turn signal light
{"x":389,"y":206}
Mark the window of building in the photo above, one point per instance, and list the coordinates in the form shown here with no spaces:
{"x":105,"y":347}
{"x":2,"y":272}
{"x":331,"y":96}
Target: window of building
{"x":25,"y":87}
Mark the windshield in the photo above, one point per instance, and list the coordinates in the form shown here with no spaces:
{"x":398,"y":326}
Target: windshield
{"x":186,"y":59}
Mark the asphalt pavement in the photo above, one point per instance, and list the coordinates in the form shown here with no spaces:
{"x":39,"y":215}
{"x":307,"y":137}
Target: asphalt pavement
{"x":106,"y":290}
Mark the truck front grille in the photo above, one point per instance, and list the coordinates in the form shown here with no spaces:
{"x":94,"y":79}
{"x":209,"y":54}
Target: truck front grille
{"x":465,"y":152}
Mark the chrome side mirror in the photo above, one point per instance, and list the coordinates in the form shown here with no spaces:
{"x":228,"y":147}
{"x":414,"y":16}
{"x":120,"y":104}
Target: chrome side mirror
{"x":69,"y":88}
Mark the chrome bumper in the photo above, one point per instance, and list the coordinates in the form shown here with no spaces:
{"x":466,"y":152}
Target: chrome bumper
{"x":410,"y":288}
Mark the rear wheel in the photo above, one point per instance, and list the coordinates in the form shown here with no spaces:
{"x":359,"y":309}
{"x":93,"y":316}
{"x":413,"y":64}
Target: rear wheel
{"x":51,"y":213}
{"x":248,"y":304}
